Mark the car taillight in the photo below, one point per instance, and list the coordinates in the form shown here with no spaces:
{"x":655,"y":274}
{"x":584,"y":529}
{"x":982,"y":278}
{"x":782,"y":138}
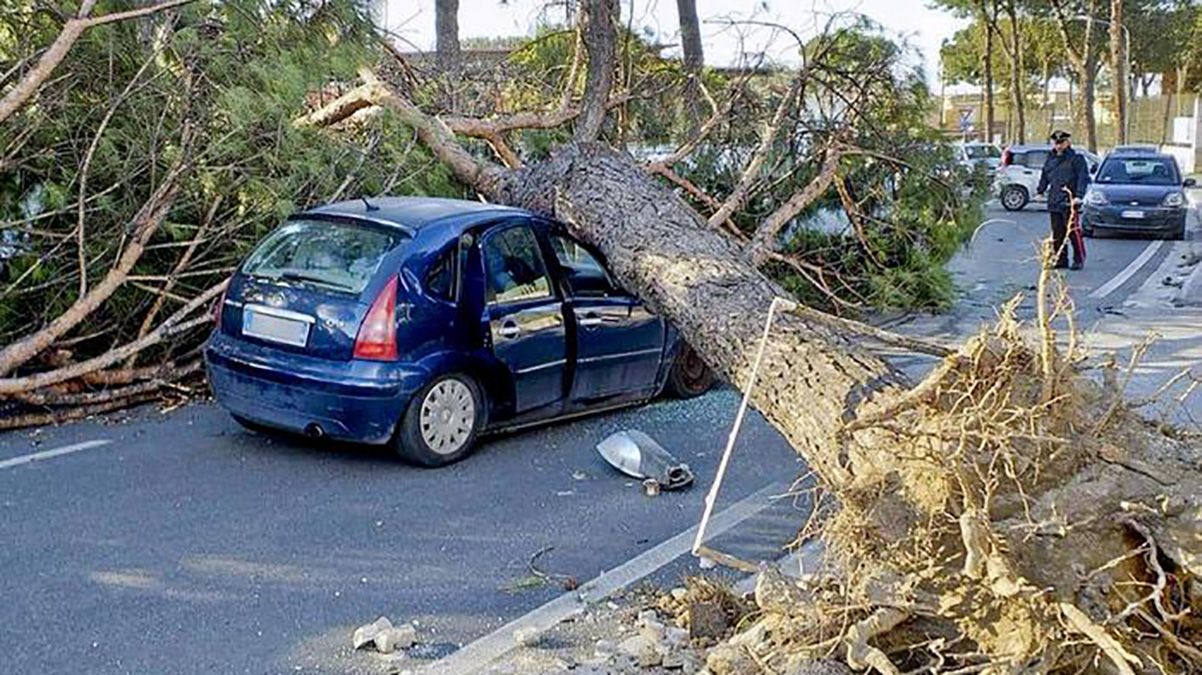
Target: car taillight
{"x":1007,"y":157}
{"x":377,"y":336}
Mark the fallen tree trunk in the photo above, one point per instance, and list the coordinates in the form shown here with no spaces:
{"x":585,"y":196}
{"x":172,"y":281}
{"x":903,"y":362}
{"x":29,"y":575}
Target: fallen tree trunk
{"x":972,"y":508}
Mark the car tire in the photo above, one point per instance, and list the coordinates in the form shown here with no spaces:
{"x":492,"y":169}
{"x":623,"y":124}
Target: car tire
{"x":689,"y":376}
{"x":1015,"y":198}
{"x":434,"y":430}
{"x":1179,"y":233}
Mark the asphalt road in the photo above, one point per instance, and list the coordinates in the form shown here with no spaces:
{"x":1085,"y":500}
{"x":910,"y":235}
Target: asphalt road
{"x":1131,"y":290}
{"x":187,"y":545}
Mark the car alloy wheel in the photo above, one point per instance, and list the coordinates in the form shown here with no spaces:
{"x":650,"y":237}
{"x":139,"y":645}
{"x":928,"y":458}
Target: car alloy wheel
{"x":1014,"y":198}
{"x":448,"y":416}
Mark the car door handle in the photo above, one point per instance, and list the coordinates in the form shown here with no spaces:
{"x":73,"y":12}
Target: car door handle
{"x":509,"y":330}
{"x":591,"y":319}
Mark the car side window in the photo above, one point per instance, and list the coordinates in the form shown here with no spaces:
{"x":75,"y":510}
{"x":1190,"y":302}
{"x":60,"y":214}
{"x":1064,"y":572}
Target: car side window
{"x":515,"y":267}
{"x":1036,"y":160}
{"x":586,"y":276}
{"x":443,"y":275}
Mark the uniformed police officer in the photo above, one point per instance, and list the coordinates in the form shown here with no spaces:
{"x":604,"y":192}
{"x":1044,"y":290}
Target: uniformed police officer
{"x":1065,"y":178}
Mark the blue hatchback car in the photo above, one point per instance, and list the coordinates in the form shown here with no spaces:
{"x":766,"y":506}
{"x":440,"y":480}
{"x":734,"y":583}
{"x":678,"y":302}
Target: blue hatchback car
{"x":1139,"y":191}
{"x":423,"y":323}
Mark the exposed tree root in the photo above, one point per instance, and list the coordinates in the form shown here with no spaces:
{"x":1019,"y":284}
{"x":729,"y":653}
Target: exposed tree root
{"x":1018,"y":541}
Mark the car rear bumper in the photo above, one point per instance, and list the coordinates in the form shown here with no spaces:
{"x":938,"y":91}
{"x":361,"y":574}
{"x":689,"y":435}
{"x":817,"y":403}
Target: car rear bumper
{"x":353,"y":400}
{"x":1155,"y":220}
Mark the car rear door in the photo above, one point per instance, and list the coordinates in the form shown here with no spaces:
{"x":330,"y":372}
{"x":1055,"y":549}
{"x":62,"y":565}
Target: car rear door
{"x":618,"y":341}
{"x":524,"y":315}
{"x":1031,"y":167}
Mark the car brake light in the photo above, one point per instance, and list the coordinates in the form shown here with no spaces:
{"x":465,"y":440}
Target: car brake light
{"x":1007,"y":157}
{"x":377,"y":336}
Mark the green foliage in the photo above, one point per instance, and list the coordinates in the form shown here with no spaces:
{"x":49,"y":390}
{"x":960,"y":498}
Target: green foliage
{"x":218,"y":84}
{"x":911,"y":204}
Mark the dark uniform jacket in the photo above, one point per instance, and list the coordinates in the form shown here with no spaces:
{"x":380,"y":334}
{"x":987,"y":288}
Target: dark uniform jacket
{"x":1068,"y":169}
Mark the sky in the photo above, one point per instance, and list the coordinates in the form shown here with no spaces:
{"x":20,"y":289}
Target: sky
{"x":922,"y":27}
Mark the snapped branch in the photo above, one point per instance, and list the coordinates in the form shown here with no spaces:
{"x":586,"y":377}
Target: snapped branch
{"x":67,"y":37}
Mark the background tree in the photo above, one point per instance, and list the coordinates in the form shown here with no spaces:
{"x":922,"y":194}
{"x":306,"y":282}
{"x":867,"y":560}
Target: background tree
{"x":1015,"y":49}
{"x":694,"y":61}
{"x":446,"y":36}
{"x":979,"y":42}
{"x":1118,"y":68}
{"x":1081,"y":45}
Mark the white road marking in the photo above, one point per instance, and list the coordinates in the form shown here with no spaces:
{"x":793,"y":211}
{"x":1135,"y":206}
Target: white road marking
{"x":47,"y":454}
{"x":479,"y":654}
{"x":1128,"y":271}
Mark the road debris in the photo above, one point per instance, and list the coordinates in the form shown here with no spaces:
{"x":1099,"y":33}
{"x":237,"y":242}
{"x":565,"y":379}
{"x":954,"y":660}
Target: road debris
{"x":384,"y":636}
{"x":637,"y":455}
{"x":567,"y":582}
{"x":527,"y":637}
{"x":367,"y":633}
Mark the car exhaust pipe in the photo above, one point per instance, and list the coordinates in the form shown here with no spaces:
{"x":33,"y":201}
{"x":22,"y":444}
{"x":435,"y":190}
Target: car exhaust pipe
{"x":314,"y":430}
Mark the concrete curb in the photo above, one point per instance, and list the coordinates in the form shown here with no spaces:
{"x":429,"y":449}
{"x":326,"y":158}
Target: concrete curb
{"x":1190,"y":293}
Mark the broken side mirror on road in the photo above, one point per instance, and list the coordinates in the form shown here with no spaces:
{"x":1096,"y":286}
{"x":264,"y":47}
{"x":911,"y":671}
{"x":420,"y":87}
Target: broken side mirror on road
{"x":637,"y":455}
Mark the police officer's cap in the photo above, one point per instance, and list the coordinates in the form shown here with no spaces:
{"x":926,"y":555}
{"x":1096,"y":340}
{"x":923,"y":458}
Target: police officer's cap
{"x":1058,"y":136}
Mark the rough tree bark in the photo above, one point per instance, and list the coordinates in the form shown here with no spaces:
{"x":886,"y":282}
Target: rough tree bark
{"x":446,"y":35}
{"x":694,"y":61}
{"x":598,"y":19}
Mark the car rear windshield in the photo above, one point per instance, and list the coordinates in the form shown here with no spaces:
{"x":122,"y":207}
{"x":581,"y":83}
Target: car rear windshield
{"x":1141,"y":170}
{"x":982,"y":151}
{"x":336,"y":255}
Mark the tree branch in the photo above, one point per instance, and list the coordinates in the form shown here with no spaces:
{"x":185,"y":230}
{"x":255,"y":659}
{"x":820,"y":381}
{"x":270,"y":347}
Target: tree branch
{"x":144,"y":225}
{"x":54,"y":55}
{"x":734,"y":202}
{"x":437,"y":137}
{"x":170,"y":327}
{"x":766,"y":235}
{"x":116,"y":394}
{"x":598,"y":17}
{"x":703,"y":132}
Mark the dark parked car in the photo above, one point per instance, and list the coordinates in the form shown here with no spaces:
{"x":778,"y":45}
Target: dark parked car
{"x":425,"y":322}
{"x":1137,"y":191}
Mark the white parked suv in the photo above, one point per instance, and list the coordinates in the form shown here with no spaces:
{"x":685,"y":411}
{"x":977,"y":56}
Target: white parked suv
{"x":1018,"y":176}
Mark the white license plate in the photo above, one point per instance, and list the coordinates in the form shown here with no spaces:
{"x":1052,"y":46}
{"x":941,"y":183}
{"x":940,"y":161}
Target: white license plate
{"x":1133,"y":214}
{"x":276,"y":326}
